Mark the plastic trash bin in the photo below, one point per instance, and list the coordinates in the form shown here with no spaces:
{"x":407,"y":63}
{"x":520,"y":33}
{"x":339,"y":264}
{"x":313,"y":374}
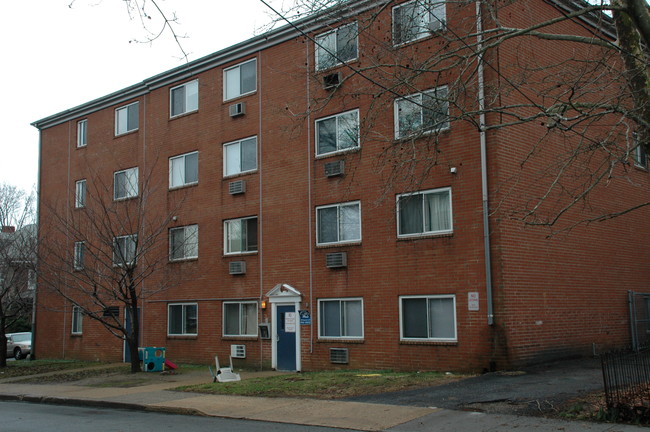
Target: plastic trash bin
{"x":153,"y":359}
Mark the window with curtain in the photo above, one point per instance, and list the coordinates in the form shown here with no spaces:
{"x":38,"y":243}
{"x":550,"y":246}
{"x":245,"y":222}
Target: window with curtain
{"x":336,"y":46}
{"x":82,"y":133}
{"x":427,"y":212}
{"x":338,"y":223}
{"x":417,"y":19}
{"x":126,"y":118}
{"x":80,"y":194}
{"x":428,"y":317}
{"x":340,"y":318}
{"x":77,"y":320}
{"x":240,"y":156}
{"x":184,"y":98}
{"x":184,"y":242}
{"x":337,"y":133}
{"x":240,"y":235}
{"x":79,"y":253}
{"x":240,"y":319}
{"x":182,"y":319}
{"x":125,"y":184}
{"x":240,"y":79}
{"x":184,"y":170}
{"x":424,"y":112}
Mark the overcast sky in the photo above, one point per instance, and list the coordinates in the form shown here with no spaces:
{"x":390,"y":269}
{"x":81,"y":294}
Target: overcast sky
{"x":56,"y":57}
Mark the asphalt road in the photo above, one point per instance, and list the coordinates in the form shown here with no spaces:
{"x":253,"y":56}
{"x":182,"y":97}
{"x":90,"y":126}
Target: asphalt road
{"x":527,"y":392}
{"x":30,"y":417}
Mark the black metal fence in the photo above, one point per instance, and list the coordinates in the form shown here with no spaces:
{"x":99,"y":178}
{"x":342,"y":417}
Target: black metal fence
{"x":626,"y":376}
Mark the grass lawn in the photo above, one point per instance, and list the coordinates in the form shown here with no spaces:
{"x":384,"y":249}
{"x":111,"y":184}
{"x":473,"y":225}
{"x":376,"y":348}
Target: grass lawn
{"x":325,"y":385}
{"x":27,"y":367}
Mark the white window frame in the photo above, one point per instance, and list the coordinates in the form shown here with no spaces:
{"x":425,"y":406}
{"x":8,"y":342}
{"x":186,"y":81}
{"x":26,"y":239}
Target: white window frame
{"x":338,"y":207}
{"x":184,"y":317}
{"x":342,"y":316}
{"x":324,"y":47}
{"x":423,"y":194}
{"x":237,"y":145}
{"x":131,"y":187}
{"x":340,"y":130}
{"x":227,"y":234}
{"x":190,"y":243}
{"x":182,"y":171}
{"x":190,"y":104}
{"x":415,"y":100}
{"x":428,"y":338}
{"x":82,"y":133}
{"x":640,"y":156}
{"x":240,"y":319}
{"x":119,"y":130}
{"x":437,"y":11}
{"x":76,"y":326}
{"x":80,"y":191}
{"x":128,"y":240}
{"x":79,"y":254}
{"x":237,"y":67}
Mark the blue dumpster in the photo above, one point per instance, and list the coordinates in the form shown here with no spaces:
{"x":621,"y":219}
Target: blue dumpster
{"x":153,"y":358}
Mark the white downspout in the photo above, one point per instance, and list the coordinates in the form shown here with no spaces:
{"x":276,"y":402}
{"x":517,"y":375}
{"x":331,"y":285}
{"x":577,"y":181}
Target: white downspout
{"x":484,"y":185}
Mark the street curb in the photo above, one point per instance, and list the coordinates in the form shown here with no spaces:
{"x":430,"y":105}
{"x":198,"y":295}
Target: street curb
{"x":49,"y":400}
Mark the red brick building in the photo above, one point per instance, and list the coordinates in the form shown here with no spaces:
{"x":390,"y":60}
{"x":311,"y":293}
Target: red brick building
{"x":328,"y":209}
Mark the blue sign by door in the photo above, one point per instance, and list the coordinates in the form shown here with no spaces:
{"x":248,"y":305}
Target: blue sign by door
{"x":286,"y":343}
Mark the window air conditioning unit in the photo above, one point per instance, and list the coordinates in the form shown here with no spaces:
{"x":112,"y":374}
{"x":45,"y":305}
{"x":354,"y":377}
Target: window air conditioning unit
{"x":237,"y":109}
{"x":238,"y":351}
{"x":237,"y":187}
{"x":339,"y":355}
{"x":331,"y":81}
{"x":336,"y":260}
{"x":435,"y":25}
{"x":333,"y":169}
{"x":237,"y":267}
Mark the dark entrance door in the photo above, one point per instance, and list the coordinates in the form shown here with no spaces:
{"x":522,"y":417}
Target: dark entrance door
{"x":286,"y":322}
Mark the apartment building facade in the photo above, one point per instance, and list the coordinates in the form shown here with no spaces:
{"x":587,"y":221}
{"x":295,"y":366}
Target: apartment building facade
{"x":293,"y":240}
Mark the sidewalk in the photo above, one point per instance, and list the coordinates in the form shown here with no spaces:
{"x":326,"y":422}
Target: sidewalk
{"x":156,"y":396}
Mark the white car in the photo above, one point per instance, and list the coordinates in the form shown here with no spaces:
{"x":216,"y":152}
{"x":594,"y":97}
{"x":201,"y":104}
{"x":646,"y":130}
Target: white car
{"x":19,"y":345}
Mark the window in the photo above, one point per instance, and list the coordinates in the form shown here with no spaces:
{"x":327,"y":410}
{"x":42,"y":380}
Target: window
{"x":416,"y":19}
{"x":126,"y":118}
{"x":184,"y":170}
{"x":124,"y":249}
{"x":339,"y":223}
{"x":80,"y":194}
{"x":240,"y":319}
{"x":240,"y":156}
{"x":184,"y":242}
{"x":77,"y":320}
{"x":240,"y":235}
{"x":182,"y":319}
{"x":240,"y":80}
{"x":79,"y":252}
{"x":82,"y":133}
{"x":338,"y":132}
{"x":640,"y":156}
{"x":336,"y":47}
{"x":428,"y":318}
{"x":184,"y":98}
{"x":427,"y":212}
{"x":340,"y":318}
{"x":422,"y":112}
{"x":125,"y":184}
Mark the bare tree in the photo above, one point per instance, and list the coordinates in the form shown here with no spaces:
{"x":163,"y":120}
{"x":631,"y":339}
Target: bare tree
{"x":585,"y":111}
{"x":17,"y":260}
{"x":109,"y":253}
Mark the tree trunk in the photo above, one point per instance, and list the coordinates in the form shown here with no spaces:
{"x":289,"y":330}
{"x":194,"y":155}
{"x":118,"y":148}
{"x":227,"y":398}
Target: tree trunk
{"x":3,"y":343}
{"x":133,"y":338}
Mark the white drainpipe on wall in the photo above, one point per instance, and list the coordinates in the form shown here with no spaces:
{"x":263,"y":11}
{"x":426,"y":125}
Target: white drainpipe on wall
{"x":484,"y":185}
